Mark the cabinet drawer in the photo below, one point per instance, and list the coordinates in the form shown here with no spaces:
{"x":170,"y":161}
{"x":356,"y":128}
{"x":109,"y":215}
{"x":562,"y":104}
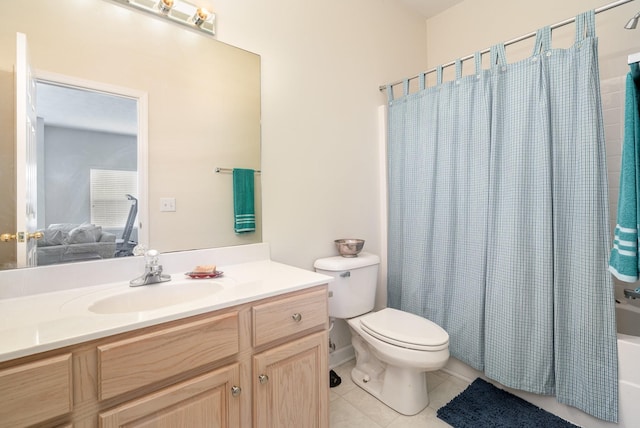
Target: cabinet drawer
{"x":288,"y":316}
{"x":142,"y":360}
{"x":35,"y":392}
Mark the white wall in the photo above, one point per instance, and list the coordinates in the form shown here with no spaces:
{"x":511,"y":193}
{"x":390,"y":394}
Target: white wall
{"x":322,"y":63}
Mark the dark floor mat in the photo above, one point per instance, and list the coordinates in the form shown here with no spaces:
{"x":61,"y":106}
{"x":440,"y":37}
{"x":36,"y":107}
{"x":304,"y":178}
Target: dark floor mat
{"x":484,"y":405}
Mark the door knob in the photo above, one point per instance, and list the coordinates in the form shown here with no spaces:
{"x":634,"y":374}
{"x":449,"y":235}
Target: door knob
{"x":263,"y":378}
{"x":20,"y":236}
{"x":297,"y":317}
{"x":35,"y":235}
{"x":235,"y":390}
{"x":6,"y":237}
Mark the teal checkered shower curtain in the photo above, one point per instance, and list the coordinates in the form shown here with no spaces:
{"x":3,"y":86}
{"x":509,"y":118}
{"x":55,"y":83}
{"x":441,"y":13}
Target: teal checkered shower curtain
{"x":498,"y":220}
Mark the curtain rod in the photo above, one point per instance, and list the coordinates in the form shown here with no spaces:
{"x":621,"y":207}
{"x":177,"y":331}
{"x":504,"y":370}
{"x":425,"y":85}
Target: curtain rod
{"x":511,"y":42}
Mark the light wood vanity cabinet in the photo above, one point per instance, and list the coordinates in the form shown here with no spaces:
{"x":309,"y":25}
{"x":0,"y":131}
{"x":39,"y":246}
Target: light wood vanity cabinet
{"x":291,"y":381}
{"x":208,"y":370}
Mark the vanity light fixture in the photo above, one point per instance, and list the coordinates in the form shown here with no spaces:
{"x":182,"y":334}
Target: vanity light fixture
{"x":179,"y":11}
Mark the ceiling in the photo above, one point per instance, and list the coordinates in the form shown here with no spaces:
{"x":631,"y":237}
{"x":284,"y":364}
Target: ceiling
{"x":429,"y":8}
{"x":85,"y":109}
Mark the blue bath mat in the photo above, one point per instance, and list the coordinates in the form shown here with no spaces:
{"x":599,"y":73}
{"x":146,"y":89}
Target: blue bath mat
{"x":484,"y":405}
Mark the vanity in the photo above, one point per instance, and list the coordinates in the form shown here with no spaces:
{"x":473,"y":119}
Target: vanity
{"x":247,"y":349}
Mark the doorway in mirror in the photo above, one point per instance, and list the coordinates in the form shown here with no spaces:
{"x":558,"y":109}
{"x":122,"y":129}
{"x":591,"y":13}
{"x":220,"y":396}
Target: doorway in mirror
{"x":89,"y":171}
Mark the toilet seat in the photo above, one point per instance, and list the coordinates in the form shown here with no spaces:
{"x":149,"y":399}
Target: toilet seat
{"x":405,"y":329}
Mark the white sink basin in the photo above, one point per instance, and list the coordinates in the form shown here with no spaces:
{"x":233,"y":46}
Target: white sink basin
{"x":156,"y":296}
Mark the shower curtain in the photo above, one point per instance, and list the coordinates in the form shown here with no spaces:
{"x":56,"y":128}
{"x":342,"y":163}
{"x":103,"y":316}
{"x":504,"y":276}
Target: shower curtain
{"x":498,"y":220}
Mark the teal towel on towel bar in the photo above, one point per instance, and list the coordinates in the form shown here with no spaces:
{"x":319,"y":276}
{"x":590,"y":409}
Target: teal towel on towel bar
{"x":243,"y":200}
{"x":624,"y":262}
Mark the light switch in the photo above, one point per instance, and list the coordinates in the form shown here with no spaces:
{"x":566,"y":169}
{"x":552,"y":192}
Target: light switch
{"x":167,"y":204}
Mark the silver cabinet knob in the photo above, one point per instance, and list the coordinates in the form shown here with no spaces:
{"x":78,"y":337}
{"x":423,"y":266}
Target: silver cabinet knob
{"x":263,"y":378}
{"x":235,"y":390}
{"x":297,"y":317}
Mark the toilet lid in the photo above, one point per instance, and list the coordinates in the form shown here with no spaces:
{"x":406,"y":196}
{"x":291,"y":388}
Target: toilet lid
{"x":405,"y":329}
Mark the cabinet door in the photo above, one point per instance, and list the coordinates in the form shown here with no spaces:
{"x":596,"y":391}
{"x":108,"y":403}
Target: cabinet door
{"x":291,"y":384}
{"x":210,"y":400}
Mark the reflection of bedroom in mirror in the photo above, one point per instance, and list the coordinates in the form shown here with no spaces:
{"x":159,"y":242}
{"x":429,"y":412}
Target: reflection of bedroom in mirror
{"x":87,"y":168}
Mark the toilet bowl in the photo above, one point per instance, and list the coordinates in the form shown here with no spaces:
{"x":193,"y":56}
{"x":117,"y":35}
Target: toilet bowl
{"x":394,"y":349}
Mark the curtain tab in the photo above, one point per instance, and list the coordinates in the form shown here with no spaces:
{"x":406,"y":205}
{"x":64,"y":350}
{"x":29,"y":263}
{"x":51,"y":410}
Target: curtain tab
{"x":439,"y":75}
{"x":458,"y":69}
{"x":478,"y":61}
{"x":498,"y":55}
{"x":543,"y":40}
{"x":422,"y":80}
{"x":405,"y":87}
{"x":389,"y":93}
{"x":585,"y":25}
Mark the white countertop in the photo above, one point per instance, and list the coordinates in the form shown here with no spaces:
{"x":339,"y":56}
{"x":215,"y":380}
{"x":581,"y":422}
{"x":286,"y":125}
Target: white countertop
{"x":41,"y":322}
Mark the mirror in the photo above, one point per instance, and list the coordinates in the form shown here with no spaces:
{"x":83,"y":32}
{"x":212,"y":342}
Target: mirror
{"x":203,"y":111}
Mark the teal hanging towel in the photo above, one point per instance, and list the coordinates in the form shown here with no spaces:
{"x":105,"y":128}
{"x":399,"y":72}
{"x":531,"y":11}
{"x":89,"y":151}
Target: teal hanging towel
{"x":243,"y":200}
{"x":624,"y":262}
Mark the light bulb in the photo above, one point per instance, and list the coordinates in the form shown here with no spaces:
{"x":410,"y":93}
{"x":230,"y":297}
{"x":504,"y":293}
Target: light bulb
{"x":165,"y":6}
{"x":200,"y":16}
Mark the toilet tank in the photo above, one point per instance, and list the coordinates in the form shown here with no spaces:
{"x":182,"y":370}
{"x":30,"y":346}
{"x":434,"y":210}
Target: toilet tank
{"x":353,"y":290}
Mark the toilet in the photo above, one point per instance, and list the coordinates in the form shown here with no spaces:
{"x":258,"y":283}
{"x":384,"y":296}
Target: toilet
{"x":394,"y":349}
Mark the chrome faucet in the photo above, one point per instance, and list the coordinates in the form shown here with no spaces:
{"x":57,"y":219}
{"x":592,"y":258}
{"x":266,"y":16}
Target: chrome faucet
{"x":631,"y":294}
{"x":152,"y":271}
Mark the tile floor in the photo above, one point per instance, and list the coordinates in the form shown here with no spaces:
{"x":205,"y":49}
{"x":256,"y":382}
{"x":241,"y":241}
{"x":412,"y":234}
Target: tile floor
{"x":351,"y":407}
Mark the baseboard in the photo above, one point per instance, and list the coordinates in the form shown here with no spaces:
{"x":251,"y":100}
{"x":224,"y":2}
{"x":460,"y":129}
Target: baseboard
{"x":341,"y":356}
{"x":461,"y":370}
